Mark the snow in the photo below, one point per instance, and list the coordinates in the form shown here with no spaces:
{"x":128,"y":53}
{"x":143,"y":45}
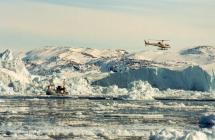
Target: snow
{"x":200,"y":54}
{"x":52,"y":59}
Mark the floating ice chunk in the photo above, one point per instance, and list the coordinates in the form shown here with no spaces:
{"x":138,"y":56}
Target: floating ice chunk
{"x":79,"y":86}
{"x":141,"y":90}
{"x":166,"y":134}
{"x":207,"y":120}
{"x":196,"y":136}
{"x":171,"y":134}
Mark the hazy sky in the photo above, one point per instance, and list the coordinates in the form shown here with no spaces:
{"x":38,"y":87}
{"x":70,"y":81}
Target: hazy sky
{"x":27,"y":24}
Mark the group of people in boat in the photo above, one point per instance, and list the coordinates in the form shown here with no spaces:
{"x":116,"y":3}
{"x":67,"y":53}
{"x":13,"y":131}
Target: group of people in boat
{"x":59,"y":90}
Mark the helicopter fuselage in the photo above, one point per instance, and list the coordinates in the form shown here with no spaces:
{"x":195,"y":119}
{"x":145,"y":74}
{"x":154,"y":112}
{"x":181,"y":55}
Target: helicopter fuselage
{"x":159,"y":44}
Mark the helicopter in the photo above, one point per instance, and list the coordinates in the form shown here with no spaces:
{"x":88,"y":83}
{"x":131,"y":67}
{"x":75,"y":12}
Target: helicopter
{"x":160,"y":44}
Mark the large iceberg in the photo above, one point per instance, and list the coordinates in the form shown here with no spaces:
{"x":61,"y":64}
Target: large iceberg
{"x":190,"y":78}
{"x":190,"y":69}
{"x":165,"y":70}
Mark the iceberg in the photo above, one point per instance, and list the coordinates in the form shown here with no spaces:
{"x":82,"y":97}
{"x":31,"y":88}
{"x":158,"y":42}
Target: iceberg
{"x":190,"y":78}
{"x":190,"y":69}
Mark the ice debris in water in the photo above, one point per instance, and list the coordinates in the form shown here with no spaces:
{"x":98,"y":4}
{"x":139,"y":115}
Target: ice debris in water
{"x":141,"y":90}
{"x":166,"y":134}
{"x":171,"y":134}
{"x":136,"y":90}
{"x":79,"y":86}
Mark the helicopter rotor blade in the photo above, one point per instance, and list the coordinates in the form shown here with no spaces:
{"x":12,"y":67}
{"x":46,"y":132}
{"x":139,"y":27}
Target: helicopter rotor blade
{"x":158,"y":40}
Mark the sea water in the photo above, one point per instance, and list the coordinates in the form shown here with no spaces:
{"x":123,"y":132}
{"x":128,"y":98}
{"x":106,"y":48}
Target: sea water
{"x":53,"y":118}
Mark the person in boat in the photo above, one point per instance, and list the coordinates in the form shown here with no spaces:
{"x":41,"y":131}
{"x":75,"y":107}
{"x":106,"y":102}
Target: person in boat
{"x":61,"y":90}
{"x":51,"y":88}
{"x":50,"y":91}
{"x":64,"y":88}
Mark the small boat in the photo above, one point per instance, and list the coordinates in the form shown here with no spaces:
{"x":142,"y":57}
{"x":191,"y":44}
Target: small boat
{"x":56,"y":91}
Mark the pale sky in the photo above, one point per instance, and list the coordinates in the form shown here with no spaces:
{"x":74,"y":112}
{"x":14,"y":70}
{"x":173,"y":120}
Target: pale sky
{"x":29,"y":24}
